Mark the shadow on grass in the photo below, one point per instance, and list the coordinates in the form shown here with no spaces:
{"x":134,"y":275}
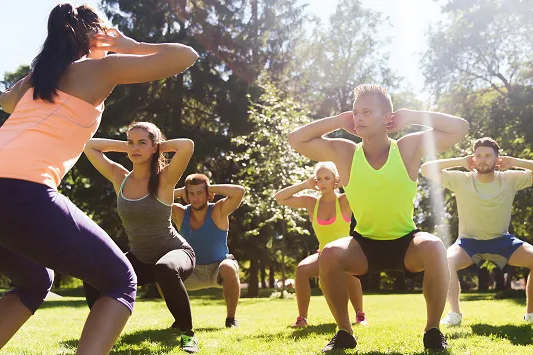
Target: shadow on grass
{"x":516,"y":334}
{"x":304,"y":332}
{"x":64,"y":303}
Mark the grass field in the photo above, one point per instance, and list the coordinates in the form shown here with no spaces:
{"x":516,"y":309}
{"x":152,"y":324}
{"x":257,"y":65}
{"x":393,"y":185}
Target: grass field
{"x":396,"y":323}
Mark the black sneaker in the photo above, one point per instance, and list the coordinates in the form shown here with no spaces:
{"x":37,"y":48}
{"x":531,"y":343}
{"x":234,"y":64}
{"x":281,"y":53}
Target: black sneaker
{"x":231,"y":323}
{"x":435,"y":340}
{"x":341,"y":340}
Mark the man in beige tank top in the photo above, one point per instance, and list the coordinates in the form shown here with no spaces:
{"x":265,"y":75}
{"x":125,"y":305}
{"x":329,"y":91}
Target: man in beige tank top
{"x":484,"y":201}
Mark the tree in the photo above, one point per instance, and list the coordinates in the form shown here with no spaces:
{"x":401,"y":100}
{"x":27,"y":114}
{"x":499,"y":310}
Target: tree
{"x":339,"y":56}
{"x":267,"y":163}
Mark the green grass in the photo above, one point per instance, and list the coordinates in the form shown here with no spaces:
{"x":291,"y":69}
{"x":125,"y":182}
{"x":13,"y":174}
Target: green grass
{"x":396,"y":323}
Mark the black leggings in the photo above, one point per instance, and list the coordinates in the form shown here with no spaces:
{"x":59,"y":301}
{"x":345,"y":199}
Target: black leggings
{"x":169,"y":272}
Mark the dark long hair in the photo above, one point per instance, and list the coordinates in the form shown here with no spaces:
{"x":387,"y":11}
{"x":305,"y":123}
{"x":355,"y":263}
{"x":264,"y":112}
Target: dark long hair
{"x":69,"y":39}
{"x":158,"y":162}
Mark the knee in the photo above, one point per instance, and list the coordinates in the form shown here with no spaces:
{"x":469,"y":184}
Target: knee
{"x":120,"y":283}
{"x":34,"y":289}
{"x":302,"y":271}
{"x":227,"y":270}
{"x":328,"y":256}
{"x":433,"y":248}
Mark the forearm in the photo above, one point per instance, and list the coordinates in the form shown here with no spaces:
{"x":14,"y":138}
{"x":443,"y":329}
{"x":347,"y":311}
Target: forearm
{"x":288,"y":192}
{"x":439,"y":121}
{"x":107,"y":145}
{"x":231,"y":191}
{"x":179,"y":193}
{"x":443,"y":164}
{"x":10,"y":98}
{"x":315,"y":129}
{"x":142,"y":48}
{"x":175,"y":145}
{"x":523,"y":164}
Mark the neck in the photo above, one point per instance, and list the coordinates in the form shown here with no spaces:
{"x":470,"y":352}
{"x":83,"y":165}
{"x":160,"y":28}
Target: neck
{"x":377,"y":144}
{"x":329,"y":196}
{"x":199,"y":214}
{"x":141,"y":171}
{"x":488,"y":177}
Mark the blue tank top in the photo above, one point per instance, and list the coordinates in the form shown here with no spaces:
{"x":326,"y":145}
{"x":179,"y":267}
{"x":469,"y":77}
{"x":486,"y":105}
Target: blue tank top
{"x":210,"y":243}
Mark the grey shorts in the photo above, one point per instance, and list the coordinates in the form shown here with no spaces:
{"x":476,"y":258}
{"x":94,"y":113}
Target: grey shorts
{"x":207,"y":276}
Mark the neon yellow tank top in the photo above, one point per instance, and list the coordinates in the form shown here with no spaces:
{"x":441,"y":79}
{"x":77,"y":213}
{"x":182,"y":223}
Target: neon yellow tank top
{"x":382,"y":201}
{"x":326,"y":233}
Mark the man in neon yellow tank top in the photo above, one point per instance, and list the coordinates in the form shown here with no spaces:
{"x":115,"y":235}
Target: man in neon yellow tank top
{"x":380,"y":178}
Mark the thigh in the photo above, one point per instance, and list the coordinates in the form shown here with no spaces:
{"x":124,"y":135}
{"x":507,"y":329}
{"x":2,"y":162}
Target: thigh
{"x":424,"y":249}
{"x":198,"y":279}
{"x":523,"y":256}
{"x":23,"y":272}
{"x":180,"y":260}
{"x":144,"y":272}
{"x":458,"y":258}
{"x":348,"y":253}
{"x":61,"y":237}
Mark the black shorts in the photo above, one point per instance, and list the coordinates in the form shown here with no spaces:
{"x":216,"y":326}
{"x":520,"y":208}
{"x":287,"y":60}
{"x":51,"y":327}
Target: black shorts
{"x":386,"y":255}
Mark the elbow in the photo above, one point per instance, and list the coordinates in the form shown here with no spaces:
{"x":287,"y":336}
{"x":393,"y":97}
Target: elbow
{"x":241,"y":191}
{"x":188,"y":146}
{"x":465,"y":127}
{"x":188,"y":55}
{"x":293,"y":139}
{"x":424,"y":170}
{"x":6,"y":107}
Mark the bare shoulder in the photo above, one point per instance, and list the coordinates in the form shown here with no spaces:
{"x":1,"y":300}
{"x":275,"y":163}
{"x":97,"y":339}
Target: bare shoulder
{"x":344,"y":153}
{"x":409,"y":147}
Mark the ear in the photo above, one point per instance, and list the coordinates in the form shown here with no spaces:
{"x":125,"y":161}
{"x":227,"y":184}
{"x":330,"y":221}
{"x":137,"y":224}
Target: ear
{"x":387,"y":118}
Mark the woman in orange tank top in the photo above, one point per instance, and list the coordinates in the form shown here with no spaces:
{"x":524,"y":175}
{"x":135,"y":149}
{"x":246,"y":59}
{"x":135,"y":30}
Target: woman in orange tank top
{"x":54,"y":112}
{"x":326,"y":226}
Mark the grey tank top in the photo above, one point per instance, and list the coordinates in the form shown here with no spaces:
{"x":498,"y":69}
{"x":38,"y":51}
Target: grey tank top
{"x":148,"y":224}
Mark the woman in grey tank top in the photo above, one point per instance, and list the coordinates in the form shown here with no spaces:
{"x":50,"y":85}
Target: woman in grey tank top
{"x":144,"y":203}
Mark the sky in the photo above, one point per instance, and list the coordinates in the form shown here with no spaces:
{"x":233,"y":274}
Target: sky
{"x":409,"y":21}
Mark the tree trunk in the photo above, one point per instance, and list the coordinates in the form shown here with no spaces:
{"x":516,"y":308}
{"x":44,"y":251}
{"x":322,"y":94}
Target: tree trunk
{"x":253,"y":281}
{"x":263,"y":275}
{"x":500,"y":279}
{"x":271,"y":278}
{"x":399,"y":282}
{"x":151,"y":292}
{"x":483,"y":279}
{"x":57,"y":280}
{"x":510,"y":273}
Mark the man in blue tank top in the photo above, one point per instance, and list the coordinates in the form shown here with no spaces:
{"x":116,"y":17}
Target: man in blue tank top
{"x":205,"y":226}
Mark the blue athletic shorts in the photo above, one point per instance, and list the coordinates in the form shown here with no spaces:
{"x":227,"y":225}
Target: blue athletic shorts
{"x":497,"y":250}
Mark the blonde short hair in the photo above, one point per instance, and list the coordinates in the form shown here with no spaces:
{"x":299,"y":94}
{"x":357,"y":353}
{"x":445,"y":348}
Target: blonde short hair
{"x":375,"y":90}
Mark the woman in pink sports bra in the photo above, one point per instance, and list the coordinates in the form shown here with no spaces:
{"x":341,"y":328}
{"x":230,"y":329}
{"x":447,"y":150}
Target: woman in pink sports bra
{"x":330,"y":216}
{"x":54,"y":112}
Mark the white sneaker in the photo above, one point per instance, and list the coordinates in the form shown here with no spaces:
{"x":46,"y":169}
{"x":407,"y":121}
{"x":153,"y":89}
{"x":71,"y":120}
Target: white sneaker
{"x":529,"y":318}
{"x":453,"y":319}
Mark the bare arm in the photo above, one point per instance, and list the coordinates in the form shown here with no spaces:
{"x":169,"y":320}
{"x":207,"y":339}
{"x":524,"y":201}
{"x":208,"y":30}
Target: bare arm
{"x":178,"y":212}
{"x":139,"y":62}
{"x":183,"y":149}
{"x":180,"y":193}
{"x":445,"y":130}
{"x":10,"y":98}
{"x":505,"y":163}
{"x":95,"y":149}
{"x":286,"y":196}
{"x":309,"y":140}
{"x":433,"y":169}
{"x":233,"y":193}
